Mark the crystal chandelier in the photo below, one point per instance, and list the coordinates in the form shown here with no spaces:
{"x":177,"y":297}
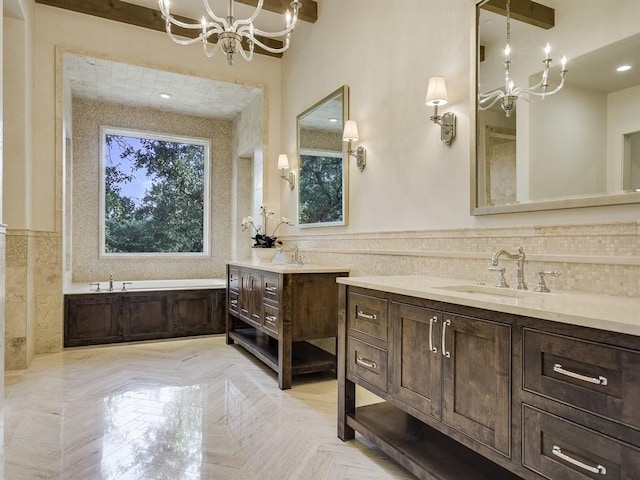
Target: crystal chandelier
{"x":230,"y":31}
{"x":509,"y":94}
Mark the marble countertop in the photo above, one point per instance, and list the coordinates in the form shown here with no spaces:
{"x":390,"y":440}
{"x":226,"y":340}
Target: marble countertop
{"x":605,"y":312}
{"x":287,"y":267}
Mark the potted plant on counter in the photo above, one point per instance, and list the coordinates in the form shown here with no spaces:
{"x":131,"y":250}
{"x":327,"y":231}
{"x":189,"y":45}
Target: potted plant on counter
{"x":264,"y":245}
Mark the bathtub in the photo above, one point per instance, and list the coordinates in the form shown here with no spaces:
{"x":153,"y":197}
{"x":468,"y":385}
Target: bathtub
{"x":145,"y":285}
{"x":145,"y":310}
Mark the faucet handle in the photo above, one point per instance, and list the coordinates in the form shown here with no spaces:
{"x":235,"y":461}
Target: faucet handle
{"x":95,"y":284}
{"x":124,"y":285}
{"x":542,"y":286}
{"x":502,"y":282}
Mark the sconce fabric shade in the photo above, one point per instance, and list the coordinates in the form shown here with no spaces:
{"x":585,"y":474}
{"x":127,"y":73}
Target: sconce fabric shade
{"x":436,"y":92}
{"x":283,"y":161}
{"x":350,"y":133}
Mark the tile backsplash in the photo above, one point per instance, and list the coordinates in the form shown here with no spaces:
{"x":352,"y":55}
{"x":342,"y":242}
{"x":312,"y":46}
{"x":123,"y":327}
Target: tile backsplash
{"x":595,"y":258}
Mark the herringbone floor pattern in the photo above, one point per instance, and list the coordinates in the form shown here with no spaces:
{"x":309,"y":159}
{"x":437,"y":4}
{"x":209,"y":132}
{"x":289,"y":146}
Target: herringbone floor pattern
{"x":176,"y":410}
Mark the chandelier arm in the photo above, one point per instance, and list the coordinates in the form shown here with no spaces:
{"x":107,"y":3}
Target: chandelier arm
{"x":486,"y":107}
{"x":491,"y":94}
{"x":249,"y":21}
{"x":271,"y":49}
{"x":213,"y":16}
{"x":210,"y":52}
{"x":244,"y":54}
{"x":281,"y":33}
{"x":189,"y":41}
{"x":542,"y":94}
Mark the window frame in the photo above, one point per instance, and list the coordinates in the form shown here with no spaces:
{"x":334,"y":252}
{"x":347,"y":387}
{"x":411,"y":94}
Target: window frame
{"x":167,"y":137}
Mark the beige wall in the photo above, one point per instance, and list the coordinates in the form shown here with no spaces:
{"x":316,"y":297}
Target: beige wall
{"x":88,"y":264}
{"x":413,"y":182}
{"x":2,"y":227}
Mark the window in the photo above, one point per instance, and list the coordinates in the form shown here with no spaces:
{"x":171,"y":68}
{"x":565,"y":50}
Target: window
{"x":154,"y":195}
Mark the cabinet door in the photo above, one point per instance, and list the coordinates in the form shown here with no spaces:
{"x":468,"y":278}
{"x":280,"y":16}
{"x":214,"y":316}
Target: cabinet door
{"x":416,"y":369}
{"x":250,"y":297}
{"x":145,"y":316}
{"x":92,"y":319}
{"x":192,"y":313}
{"x":476,"y":379}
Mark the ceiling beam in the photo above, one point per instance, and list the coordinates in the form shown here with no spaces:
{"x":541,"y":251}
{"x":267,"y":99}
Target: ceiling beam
{"x":308,"y":12}
{"x":144,"y":17}
{"x":526,"y":11}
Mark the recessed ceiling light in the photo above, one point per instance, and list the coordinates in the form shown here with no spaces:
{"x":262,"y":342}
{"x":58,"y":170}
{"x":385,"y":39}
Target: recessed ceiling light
{"x":623,"y":68}
{"x":165,"y":95}
{"x":333,"y":120}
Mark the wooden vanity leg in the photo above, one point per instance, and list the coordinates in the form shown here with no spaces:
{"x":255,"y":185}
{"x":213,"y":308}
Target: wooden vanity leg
{"x":230,"y":320}
{"x":284,"y":356}
{"x":346,"y":388}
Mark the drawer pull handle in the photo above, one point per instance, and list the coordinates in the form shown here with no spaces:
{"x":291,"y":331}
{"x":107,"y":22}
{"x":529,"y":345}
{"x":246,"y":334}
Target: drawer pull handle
{"x":271,"y":318}
{"x":598,"y":381}
{"x":445,"y":352}
{"x":432,"y":320}
{"x":366,"y":315}
{"x":234,"y":303}
{"x":271,"y":289}
{"x":365,"y":362}
{"x":557,"y":451}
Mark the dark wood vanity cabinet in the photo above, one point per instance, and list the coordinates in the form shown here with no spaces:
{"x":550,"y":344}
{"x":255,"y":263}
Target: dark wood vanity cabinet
{"x":273,"y":314}
{"x":113,"y":317}
{"x":476,"y":394}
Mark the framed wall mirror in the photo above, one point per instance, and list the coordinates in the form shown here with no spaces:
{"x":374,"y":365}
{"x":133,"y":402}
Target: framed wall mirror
{"x":578,"y":147}
{"x":323,"y":166}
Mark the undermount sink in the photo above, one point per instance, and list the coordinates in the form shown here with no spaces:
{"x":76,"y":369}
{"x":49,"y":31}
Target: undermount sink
{"x":484,"y":290}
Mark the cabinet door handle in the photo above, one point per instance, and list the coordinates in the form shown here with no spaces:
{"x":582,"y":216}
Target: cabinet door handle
{"x":598,"y":381}
{"x":271,"y":318}
{"x":366,"y":315}
{"x":557,"y":451}
{"x":365,"y":362}
{"x":271,"y":289}
{"x":432,"y":320}
{"x":444,"y":338}
{"x":251,"y":284}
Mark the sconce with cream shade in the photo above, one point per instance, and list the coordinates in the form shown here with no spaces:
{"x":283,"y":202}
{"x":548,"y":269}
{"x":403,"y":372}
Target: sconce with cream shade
{"x":350,"y":135}
{"x":436,"y":96}
{"x":283,"y":164}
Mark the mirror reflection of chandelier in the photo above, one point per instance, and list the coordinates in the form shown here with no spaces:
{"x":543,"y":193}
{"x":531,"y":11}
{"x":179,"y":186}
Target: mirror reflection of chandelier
{"x":230,"y":31}
{"x":509,"y":93}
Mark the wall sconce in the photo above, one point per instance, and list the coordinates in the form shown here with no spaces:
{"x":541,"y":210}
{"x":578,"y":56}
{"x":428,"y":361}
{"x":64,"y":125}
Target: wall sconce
{"x":436,"y":96}
{"x":350,"y":135}
{"x":283,"y":164}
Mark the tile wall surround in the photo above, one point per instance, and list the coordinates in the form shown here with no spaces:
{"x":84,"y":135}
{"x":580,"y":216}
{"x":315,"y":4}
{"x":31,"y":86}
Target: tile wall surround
{"x":33,"y":310}
{"x":88,"y":266}
{"x":597,"y":258}
{"x":2,"y":322}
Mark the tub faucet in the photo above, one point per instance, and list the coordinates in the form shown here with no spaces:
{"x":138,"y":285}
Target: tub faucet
{"x":519,"y":258}
{"x":111,"y":282}
{"x":297,"y":258}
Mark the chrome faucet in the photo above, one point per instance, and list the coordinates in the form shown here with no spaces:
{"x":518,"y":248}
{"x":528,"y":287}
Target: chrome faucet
{"x":111,"y":282}
{"x":519,"y":258}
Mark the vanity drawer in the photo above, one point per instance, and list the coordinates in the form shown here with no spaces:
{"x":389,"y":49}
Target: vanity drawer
{"x":271,"y":288}
{"x":234,"y":279}
{"x":556,"y":448}
{"x":271,"y":317}
{"x":367,"y":362}
{"x":598,"y":378}
{"x":234,"y":300}
{"x":368,"y":315}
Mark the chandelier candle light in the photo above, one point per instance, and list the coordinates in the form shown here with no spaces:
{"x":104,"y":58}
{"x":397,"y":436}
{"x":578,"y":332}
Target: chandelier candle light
{"x":230,"y":31}
{"x":509,"y":94}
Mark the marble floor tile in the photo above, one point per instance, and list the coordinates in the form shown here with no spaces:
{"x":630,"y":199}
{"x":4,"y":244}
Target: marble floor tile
{"x":193,"y":409}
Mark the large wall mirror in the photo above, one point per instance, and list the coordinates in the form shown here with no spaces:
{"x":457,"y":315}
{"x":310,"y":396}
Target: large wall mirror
{"x":323,"y":166}
{"x":578,"y":147}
